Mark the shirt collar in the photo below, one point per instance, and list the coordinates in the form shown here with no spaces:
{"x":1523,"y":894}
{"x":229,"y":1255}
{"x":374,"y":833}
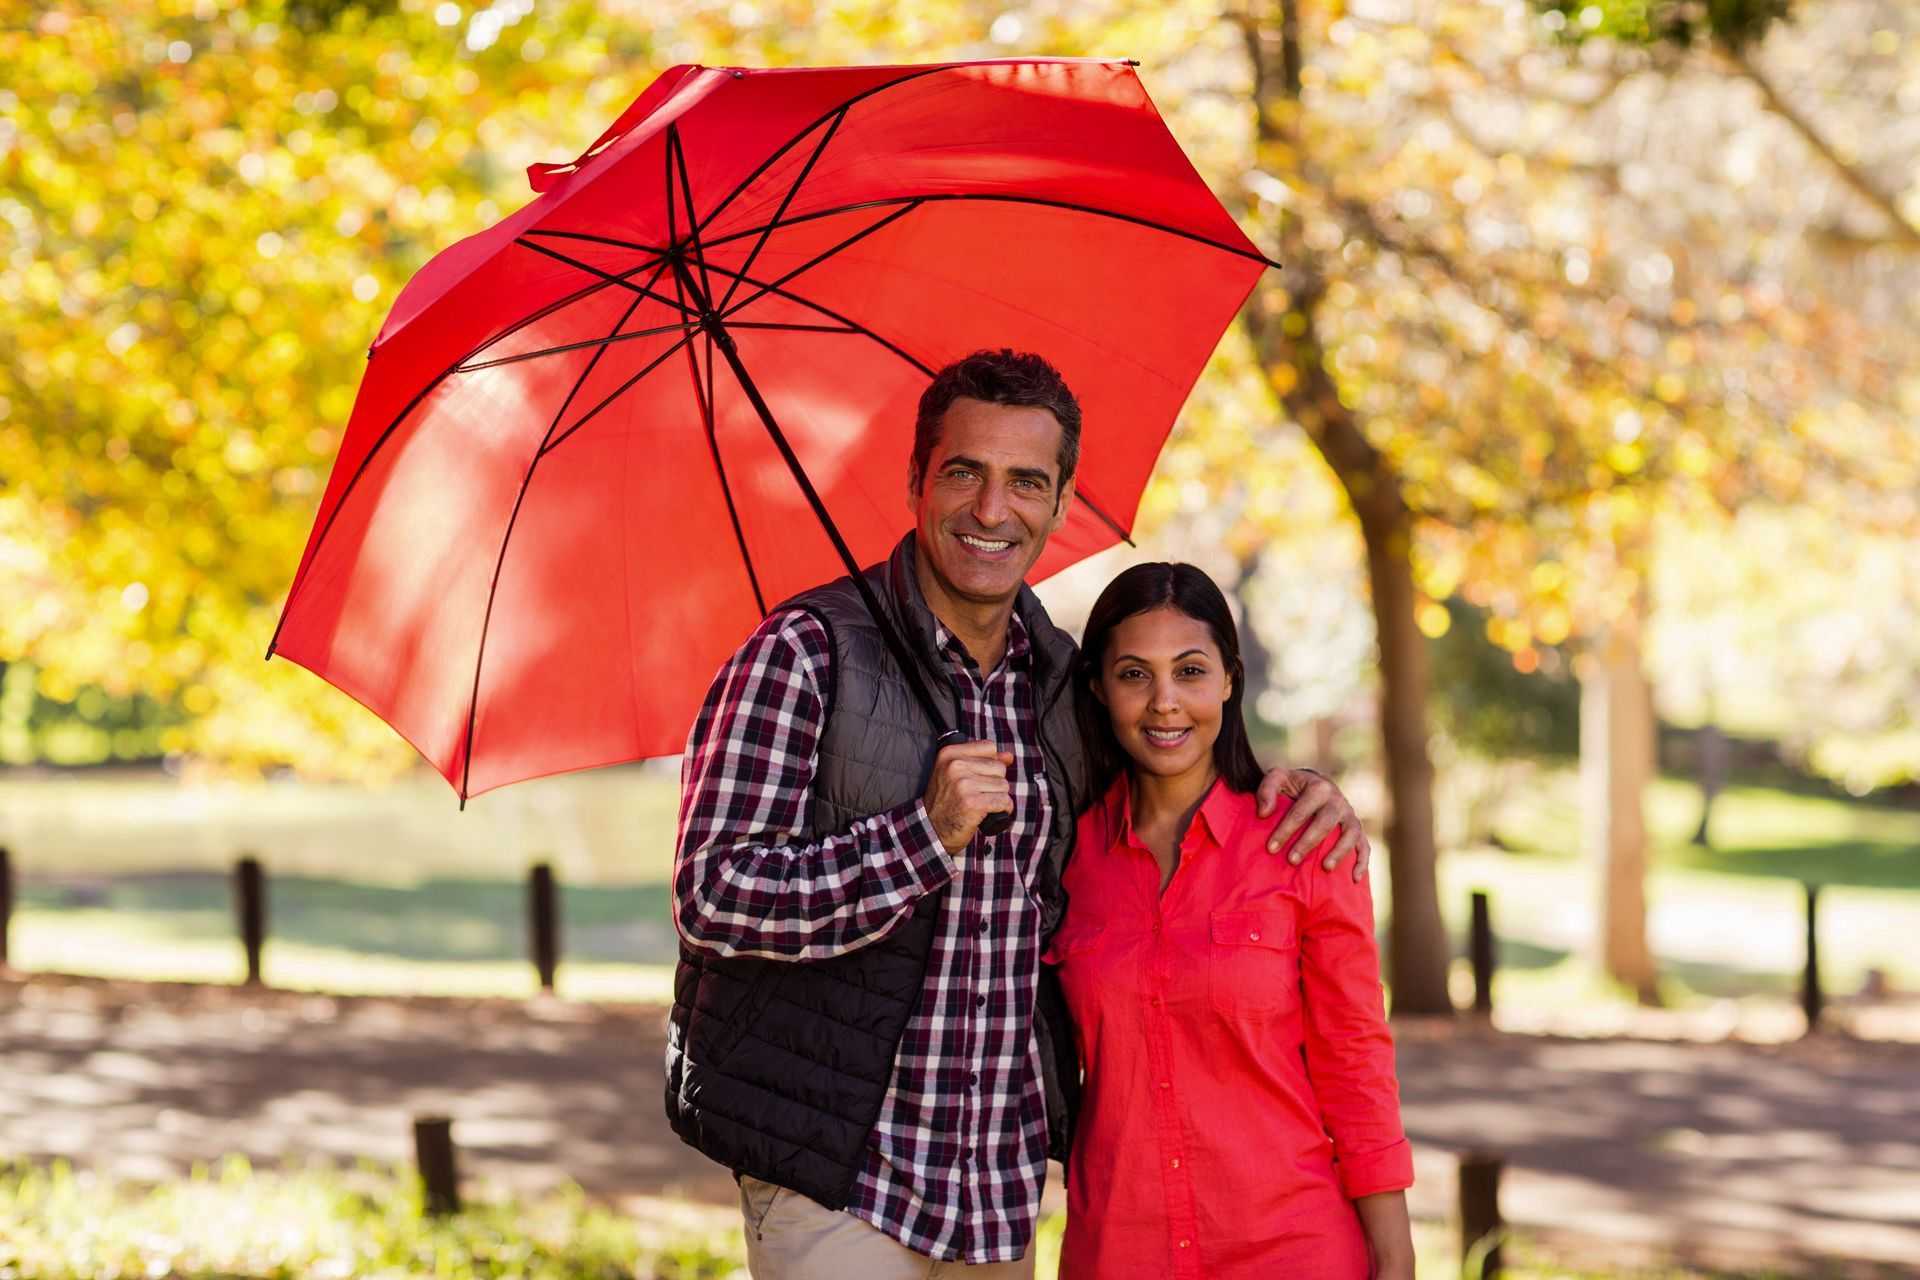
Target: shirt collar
{"x":1216,"y":816}
{"x":1018,"y":642}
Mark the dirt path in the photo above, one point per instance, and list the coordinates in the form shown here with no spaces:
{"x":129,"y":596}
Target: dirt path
{"x":1726,"y":1152}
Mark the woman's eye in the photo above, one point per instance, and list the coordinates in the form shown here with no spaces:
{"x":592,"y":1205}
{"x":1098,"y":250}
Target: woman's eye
{"x":1193,"y":671}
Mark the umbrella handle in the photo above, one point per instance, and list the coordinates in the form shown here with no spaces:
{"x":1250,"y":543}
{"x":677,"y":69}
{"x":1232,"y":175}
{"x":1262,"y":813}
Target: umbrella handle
{"x":994,"y":823}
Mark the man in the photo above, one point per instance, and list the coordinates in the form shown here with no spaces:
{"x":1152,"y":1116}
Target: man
{"x":854,"y":1027}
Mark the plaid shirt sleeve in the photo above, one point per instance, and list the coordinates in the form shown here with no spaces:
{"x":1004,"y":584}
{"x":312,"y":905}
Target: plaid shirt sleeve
{"x":745,"y":882}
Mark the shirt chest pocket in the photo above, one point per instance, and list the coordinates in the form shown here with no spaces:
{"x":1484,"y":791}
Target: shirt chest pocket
{"x":1075,"y":939}
{"x":1253,"y":962}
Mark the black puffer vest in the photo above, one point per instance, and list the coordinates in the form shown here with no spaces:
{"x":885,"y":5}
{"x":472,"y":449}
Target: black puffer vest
{"x":778,"y":1068}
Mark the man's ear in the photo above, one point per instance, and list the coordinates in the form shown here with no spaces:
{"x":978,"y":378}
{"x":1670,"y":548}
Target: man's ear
{"x":913,"y":490}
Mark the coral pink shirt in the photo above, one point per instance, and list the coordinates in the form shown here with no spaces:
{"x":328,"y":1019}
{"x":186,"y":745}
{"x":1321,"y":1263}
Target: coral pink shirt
{"x":1240,"y":1087}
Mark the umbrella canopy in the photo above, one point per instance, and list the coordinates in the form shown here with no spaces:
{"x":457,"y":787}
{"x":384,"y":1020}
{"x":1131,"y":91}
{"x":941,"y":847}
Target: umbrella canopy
{"x":568,"y":488}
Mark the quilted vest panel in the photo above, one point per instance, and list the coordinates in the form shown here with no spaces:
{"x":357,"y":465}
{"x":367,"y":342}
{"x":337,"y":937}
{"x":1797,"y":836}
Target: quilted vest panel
{"x":778,"y":1068}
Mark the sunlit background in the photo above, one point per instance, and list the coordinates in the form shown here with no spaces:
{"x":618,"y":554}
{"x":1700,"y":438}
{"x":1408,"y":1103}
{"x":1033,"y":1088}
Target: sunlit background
{"x":1566,"y":480}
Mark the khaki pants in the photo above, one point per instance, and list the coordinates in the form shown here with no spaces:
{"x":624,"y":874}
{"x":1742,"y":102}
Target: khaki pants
{"x":790,"y":1237}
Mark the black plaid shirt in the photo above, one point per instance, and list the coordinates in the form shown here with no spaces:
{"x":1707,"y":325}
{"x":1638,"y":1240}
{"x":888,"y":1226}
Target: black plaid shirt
{"x":957,"y":1160}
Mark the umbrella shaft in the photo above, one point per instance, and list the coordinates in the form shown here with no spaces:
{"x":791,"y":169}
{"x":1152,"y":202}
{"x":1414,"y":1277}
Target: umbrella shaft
{"x":711,"y":322}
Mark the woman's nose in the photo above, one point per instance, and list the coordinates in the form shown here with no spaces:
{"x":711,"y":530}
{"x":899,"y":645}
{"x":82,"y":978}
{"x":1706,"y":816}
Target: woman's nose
{"x":1162,"y":698}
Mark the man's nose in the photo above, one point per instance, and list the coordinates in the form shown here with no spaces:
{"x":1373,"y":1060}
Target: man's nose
{"x":990,"y":504}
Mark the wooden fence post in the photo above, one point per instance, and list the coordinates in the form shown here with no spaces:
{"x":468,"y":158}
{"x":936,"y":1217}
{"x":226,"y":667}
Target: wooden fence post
{"x":250,"y":904}
{"x":543,"y":920}
{"x":6,"y":907}
{"x":1480,"y":1228}
{"x":1480,"y":949}
{"x":1812,"y":1000}
{"x":433,"y":1152}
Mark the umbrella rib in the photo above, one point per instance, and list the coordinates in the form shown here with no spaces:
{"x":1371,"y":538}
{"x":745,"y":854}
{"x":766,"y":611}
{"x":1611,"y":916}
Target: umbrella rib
{"x":493,"y":588}
{"x":577,"y":346}
{"x":675,"y":147}
{"x":944,"y":197}
{"x":1097,"y":510}
{"x":616,"y":393}
{"x":853,"y":326}
{"x":785,"y":200}
{"x":794,"y":141}
{"x":608,"y":277}
{"x":614,"y":241}
{"x":798,"y":328}
{"x":659,"y":264}
{"x":822,"y":256}
{"x":704,"y":397}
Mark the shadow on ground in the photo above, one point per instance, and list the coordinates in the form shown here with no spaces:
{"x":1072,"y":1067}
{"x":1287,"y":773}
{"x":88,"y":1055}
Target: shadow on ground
{"x":1791,"y":1153}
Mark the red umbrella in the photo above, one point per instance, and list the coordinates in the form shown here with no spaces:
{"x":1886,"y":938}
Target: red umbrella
{"x":577,"y":472}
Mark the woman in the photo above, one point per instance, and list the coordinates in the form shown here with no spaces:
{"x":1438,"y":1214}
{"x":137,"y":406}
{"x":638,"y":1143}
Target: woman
{"x":1240,"y":1117}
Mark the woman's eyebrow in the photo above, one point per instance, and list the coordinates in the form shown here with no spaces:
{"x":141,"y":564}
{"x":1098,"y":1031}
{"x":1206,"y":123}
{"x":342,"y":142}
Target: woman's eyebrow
{"x":1134,"y":657}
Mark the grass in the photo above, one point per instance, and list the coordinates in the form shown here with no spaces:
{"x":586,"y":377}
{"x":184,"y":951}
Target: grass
{"x":1757,"y":832}
{"x":1726,"y":921}
{"x":364,"y":1223}
{"x":386,"y":892}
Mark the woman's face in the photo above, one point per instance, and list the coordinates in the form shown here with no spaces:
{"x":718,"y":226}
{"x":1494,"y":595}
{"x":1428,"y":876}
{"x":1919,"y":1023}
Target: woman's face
{"x":1165,"y":685}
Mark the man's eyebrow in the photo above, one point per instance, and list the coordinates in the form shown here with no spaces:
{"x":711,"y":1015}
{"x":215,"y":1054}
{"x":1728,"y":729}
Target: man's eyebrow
{"x":1134,"y":657}
{"x":1018,"y":473}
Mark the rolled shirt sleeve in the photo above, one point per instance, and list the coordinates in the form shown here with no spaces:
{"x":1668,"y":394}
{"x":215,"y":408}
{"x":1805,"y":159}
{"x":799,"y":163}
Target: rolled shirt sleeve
{"x":745,"y":881}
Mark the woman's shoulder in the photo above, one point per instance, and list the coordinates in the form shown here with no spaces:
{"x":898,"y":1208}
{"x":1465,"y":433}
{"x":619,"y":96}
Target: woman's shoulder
{"x":1241,"y":832}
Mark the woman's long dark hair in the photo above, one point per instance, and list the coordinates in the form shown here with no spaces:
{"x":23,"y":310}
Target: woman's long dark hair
{"x":1188,"y":590}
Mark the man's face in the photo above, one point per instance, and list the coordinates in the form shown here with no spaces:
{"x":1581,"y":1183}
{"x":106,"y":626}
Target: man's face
{"x":990,"y":499}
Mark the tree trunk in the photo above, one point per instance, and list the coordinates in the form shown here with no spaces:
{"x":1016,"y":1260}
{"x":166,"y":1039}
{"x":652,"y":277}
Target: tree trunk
{"x":1418,"y":938}
{"x":1616,"y":764}
{"x":1418,"y":949}
{"x":1255,"y":662}
{"x":1282,"y":321}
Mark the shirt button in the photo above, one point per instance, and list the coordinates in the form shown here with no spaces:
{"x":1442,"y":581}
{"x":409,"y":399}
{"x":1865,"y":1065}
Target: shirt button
{"x":1166,"y":1084}
{"x":1155,"y":1002}
{"x":973,"y":1077}
{"x":1176,"y":1164}
{"x":983,"y":924}
{"x":1156,"y":926}
{"x":1253,"y":937}
{"x":1185,"y":1243}
{"x":980,"y":1002}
